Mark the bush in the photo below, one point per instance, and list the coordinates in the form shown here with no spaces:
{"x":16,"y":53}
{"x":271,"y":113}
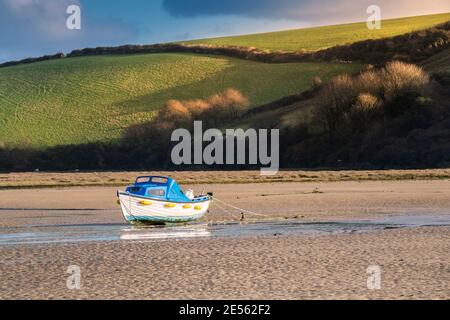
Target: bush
{"x":365,"y":109}
{"x":370,"y":82}
{"x":366,"y":103}
{"x":175,"y":111}
{"x":316,"y":83}
{"x":214,"y":110}
{"x":350,"y":102}
{"x":334,"y":102}
{"x":398,"y":77}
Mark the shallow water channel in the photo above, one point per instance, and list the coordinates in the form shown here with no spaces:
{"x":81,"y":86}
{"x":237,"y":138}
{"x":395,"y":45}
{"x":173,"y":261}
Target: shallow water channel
{"x":121,"y":232}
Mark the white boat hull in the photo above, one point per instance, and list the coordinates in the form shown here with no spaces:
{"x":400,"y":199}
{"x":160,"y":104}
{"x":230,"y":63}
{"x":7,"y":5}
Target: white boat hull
{"x":144,"y":210}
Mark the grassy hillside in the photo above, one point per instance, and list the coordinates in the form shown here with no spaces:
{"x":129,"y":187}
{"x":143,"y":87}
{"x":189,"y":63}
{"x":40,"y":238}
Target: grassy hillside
{"x":87,"y":99}
{"x":313,"y":39}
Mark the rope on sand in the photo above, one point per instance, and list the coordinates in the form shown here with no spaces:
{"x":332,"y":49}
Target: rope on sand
{"x":240,"y":209}
{"x":224,"y":210}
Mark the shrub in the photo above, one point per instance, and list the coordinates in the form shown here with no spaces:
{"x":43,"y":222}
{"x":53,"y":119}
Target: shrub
{"x":226,"y":106}
{"x":214,"y":110}
{"x":316,"y":83}
{"x":366,"y":102}
{"x":365,"y":108}
{"x":174,"y":111}
{"x":334,"y":101}
{"x":399,"y":77}
{"x":352,"y":102}
{"x":370,"y":82}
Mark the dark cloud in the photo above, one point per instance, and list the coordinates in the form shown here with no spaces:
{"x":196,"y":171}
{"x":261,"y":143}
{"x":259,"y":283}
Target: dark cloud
{"x":36,"y":27}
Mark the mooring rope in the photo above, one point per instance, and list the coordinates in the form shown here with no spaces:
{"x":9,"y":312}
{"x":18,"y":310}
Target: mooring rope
{"x":224,"y":210}
{"x":240,"y":209}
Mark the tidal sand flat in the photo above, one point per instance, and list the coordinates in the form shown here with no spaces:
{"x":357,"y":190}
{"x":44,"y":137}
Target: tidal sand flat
{"x":311,"y":240}
{"x":305,"y":201}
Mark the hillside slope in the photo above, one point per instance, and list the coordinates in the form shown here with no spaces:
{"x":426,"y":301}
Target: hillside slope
{"x":313,"y":39}
{"x":88,"y":99}
{"x":438,"y":63}
{"x":396,"y":115}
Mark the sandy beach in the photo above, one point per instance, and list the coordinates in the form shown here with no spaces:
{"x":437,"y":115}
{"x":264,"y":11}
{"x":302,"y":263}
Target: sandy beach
{"x":415,"y":262}
{"x":308,"y":200}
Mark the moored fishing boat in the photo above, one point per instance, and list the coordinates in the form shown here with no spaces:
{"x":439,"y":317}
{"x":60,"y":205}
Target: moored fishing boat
{"x":158,"y":200}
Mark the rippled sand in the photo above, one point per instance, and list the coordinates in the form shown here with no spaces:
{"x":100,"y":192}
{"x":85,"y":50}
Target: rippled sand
{"x":415,"y":264}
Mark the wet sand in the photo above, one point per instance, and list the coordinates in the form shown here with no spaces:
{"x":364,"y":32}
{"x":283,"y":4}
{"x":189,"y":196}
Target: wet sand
{"x":415,"y":263}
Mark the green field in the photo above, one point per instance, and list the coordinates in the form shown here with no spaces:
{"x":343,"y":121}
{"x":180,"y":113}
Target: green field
{"x":89,"y":99}
{"x":313,"y":39}
{"x":86,"y":99}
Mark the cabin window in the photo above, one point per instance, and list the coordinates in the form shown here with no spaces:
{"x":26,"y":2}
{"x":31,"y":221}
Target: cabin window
{"x":159,"y":180}
{"x":135,"y":189}
{"x":156,"y":192}
{"x":143,"y":179}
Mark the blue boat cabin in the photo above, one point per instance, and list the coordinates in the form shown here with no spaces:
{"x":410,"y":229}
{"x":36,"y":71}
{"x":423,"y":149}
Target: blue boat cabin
{"x":160,"y":188}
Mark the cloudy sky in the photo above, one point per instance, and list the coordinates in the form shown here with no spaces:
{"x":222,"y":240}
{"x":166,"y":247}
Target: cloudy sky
{"x":37,"y":27}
